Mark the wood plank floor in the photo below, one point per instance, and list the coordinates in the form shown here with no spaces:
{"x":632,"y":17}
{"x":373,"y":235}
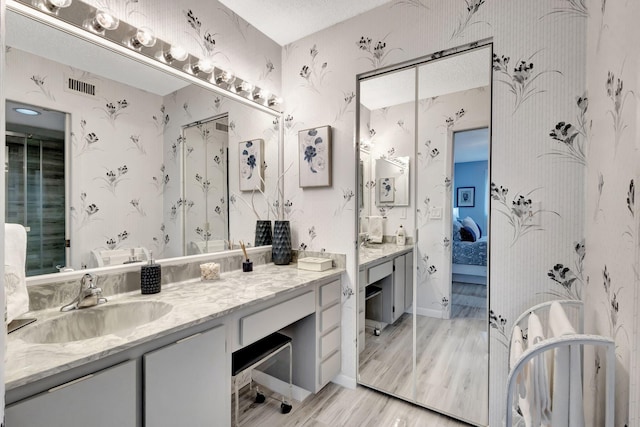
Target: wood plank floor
{"x":335,"y":406}
{"x":452,"y":357}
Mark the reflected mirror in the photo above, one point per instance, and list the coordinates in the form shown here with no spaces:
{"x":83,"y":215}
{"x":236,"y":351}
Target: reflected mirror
{"x":423,"y":307}
{"x":146,"y":161}
{"x":392,"y":181}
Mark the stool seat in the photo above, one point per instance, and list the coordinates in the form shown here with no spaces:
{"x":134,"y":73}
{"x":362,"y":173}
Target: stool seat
{"x":253,"y":353}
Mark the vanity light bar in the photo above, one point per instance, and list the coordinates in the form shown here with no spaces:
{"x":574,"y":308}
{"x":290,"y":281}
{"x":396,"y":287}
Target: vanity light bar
{"x":143,"y":41}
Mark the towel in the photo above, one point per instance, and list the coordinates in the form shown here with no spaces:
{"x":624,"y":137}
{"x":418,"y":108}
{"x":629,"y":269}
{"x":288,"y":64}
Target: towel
{"x":517,"y":348}
{"x":567,"y":407}
{"x":15,"y":284}
{"x":538,"y":387}
{"x":375,"y":229}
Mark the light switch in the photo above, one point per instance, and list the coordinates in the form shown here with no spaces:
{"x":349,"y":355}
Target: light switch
{"x":435,"y":213}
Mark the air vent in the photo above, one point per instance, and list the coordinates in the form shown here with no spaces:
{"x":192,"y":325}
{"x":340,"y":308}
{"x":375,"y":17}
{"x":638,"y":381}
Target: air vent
{"x":221,"y":127}
{"x":74,"y":85}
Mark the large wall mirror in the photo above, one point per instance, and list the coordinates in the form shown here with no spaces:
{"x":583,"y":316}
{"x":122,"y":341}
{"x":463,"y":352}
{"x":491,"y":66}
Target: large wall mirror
{"x":422,"y":307}
{"x":121,"y":159}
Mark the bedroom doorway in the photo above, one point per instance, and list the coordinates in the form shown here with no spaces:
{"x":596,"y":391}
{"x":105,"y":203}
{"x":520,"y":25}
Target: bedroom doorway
{"x":470,"y":219}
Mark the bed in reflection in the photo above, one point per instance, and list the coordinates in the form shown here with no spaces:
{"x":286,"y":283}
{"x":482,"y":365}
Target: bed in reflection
{"x":469,"y":253}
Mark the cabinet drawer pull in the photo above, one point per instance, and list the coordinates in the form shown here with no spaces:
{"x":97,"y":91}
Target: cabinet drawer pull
{"x":188,"y":338}
{"x":56,"y":388}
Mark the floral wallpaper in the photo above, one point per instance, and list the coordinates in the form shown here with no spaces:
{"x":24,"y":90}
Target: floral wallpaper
{"x":113,"y":158}
{"x":539,"y":73}
{"x":609,"y":280}
{"x":190,"y":105}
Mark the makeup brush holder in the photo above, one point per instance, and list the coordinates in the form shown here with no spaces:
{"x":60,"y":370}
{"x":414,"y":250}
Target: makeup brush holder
{"x":247,"y":266}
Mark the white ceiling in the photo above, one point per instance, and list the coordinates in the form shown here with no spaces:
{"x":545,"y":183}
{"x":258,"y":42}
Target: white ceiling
{"x":286,"y":21}
{"x":47,"y":119}
{"x":449,"y":75}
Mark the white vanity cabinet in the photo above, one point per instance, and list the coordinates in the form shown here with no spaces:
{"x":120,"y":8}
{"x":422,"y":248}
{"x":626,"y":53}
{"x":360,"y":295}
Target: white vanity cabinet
{"x":385,"y":291}
{"x":105,"y":399}
{"x":328,"y":334}
{"x":188,"y":382}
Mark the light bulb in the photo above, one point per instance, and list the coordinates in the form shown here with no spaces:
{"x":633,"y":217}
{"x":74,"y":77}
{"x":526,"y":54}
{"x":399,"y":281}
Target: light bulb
{"x":244,"y":87}
{"x":274,"y":100}
{"x":143,"y":37}
{"x":202,"y":66}
{"x":175,"y":53}
{"x":101,"y":22}
{"x":224,"y":77}
{"x":260,"y":94}
{"x":52,"y":6}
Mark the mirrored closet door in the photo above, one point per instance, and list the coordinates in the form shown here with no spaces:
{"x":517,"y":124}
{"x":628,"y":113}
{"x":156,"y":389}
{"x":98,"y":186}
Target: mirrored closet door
{"x":423,"y":306}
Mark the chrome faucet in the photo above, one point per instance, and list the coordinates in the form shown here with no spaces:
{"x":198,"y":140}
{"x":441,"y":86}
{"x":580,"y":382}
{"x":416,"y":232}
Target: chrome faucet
{"x":88,"y":296}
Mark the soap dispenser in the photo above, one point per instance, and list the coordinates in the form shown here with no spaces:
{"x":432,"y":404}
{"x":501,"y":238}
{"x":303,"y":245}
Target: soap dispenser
{"x":150,"y":277}
{"x":401,"y":237}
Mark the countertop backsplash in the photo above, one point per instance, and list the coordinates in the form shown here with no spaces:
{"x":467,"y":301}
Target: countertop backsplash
{"x":113,"y":281}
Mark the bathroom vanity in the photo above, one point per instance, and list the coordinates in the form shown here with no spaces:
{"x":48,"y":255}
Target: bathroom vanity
{"x":174,"y":365}
{"x":385,"y":286}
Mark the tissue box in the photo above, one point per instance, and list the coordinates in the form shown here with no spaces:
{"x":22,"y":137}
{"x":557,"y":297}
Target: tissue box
{"x":210,"y":271}
{"x":315,"y":264}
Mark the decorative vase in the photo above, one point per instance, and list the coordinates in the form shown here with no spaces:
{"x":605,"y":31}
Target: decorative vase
{"x":263,"y":233}
{"x":281,"y":246}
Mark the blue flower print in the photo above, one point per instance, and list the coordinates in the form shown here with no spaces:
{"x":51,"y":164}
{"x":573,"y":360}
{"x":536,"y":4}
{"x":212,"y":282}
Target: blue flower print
{"x":309,"y":154}
{"x":313,"y":149}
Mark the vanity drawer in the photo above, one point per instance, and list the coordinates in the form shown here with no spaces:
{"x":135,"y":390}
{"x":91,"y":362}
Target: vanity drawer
{"x":380,"y":271}
{"x":272,"y":319}
{"x":329,"y":318}
{"x":329,"y":293}
{"x":329,"y":368}
{"x":329,"y":343}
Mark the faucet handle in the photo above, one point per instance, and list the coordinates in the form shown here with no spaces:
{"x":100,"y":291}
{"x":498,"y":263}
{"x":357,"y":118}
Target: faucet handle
{"x":87,"y":281}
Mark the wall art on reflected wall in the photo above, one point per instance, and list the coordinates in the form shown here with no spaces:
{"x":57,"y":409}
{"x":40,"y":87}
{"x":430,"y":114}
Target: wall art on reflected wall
{"x":251,"y":165}
{"x":466,"y":197}
{"x":314,"y":157}
{"x":387,"y":190}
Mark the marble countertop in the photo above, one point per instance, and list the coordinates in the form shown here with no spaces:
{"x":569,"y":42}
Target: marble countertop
{"x":374,"y":253}
{"x":193,"y":302}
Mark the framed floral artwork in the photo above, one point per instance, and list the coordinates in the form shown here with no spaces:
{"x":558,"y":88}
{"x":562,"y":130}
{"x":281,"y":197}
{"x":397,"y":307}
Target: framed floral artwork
{"x":466,"y":197}
{"x":387,"y":190}
{"x":251,"y":157}
{"x":315,"y":157}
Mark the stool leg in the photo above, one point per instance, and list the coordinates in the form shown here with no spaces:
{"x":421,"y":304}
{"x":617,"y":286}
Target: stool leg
{"x":284,"y":406}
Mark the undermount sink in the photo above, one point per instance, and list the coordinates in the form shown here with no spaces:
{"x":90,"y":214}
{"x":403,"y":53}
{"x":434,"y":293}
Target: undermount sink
{"x":94,"y":322}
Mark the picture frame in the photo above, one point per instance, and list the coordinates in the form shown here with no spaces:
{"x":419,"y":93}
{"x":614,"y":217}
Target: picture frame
{"x":386,"y":189}
{"x":314,"y":157}
{"x":466,"y":197}
{"x":251,"y":165}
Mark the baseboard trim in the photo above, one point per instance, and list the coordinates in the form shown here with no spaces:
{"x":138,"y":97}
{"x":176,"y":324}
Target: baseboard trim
{"x":430,"y":312}
{"x":345,"y":381}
